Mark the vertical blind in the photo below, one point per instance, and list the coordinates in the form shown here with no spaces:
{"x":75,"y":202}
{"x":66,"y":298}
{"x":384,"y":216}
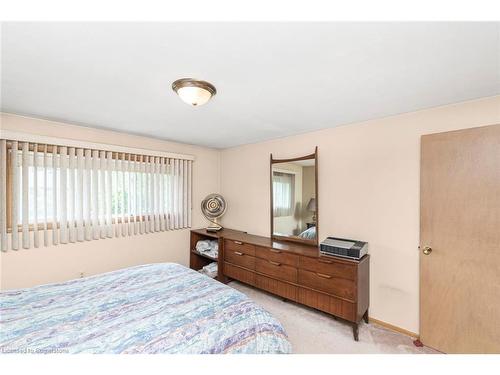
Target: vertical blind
{"x":283,"y":194}
{"x":58,"y":194}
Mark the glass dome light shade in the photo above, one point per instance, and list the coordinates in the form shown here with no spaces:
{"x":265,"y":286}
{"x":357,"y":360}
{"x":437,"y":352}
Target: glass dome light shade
{"x":194,"y":96}
{"x":194,"y":92}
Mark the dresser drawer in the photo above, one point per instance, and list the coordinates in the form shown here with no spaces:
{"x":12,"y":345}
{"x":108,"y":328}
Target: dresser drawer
{"x":239,"y":258}
{"x":240,"y":274}
{"x":242,"y":247}
{"x":327,"y":303}
{"x":276,"y":270}
{"x":276,"y":287}
{"x":328,"y":267}
{"x":277,"y":256}
{"x":333,"y":285}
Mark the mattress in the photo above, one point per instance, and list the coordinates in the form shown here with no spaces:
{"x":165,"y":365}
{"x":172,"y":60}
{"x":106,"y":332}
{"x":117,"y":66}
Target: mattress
{"x":154,"y":308}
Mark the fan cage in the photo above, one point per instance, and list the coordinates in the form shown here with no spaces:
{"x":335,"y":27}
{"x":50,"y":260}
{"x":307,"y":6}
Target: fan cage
{"x":213,"y":206}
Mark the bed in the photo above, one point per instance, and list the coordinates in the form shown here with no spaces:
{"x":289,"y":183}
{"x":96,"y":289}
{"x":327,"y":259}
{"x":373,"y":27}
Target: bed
{"x":154,"y":308}
{"x":309,"y":234}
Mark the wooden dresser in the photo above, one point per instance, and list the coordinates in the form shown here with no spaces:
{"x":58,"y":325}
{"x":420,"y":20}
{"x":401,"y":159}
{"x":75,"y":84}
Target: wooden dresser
{"x":293,"y":271}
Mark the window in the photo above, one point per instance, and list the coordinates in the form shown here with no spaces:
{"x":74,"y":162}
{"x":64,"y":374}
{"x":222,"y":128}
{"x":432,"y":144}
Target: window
{"x":83,"y":194}
{"x":283,"y":193}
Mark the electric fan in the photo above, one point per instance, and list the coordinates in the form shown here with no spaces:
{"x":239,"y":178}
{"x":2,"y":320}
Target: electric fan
{"x":213,"y":207}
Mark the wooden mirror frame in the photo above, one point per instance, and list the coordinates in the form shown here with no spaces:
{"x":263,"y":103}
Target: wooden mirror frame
{"x":277,"y":161}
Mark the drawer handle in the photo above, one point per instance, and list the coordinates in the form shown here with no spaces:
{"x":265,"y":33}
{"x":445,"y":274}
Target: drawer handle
{"x":238,"y":243}
{"x":275,"y":251}
{"x":238,"y":253}
{"x":275,"y":263}
{"x":325,"y":261}
{"x":323,"y":275}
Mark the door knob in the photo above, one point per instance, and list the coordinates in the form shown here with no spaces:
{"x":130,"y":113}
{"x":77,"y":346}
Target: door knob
{"x":427,"y":250}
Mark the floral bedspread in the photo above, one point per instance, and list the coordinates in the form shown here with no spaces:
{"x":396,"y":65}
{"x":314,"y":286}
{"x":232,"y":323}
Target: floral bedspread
{"x":154,"y":308}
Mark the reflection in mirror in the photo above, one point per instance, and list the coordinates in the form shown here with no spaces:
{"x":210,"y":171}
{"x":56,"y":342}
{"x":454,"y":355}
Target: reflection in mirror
{"x":294,"y":199}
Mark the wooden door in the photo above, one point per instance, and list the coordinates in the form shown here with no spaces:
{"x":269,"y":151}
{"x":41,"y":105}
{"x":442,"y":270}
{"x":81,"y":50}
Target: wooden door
{"x":460,"y":222}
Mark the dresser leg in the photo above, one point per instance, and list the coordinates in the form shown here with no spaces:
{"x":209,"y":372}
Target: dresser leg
{"x":355,"y":331}
{"x":365,"y":317}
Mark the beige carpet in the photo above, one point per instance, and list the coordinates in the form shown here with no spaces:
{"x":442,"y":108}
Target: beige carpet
{"x":313,"y":332}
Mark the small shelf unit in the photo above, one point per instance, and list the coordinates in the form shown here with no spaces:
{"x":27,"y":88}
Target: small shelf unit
{"x":196,"y":260}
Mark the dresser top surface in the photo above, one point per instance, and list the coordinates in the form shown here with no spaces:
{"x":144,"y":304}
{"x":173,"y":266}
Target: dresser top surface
{"x":293,"y":247}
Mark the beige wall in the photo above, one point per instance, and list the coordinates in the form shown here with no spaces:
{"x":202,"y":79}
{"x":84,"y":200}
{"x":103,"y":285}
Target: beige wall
{"x":368,"y":190}
{"x":24,"y":268}
{"x":308,"y":192}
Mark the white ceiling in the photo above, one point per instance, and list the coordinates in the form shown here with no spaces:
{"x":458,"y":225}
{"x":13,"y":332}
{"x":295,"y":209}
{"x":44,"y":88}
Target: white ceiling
{"x":273,"y":79}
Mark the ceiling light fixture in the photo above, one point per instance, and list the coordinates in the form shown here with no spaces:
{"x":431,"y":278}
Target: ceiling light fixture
{"x":194,"y":92}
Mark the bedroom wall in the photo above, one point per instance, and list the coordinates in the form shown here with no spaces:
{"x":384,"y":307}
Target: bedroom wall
{"x":368,"y":190}
{"x":308,"y":192}
{"x":25,"y":268}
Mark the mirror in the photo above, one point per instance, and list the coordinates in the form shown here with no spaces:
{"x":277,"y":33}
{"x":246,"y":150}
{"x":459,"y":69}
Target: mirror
{"x":294,"y":199}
